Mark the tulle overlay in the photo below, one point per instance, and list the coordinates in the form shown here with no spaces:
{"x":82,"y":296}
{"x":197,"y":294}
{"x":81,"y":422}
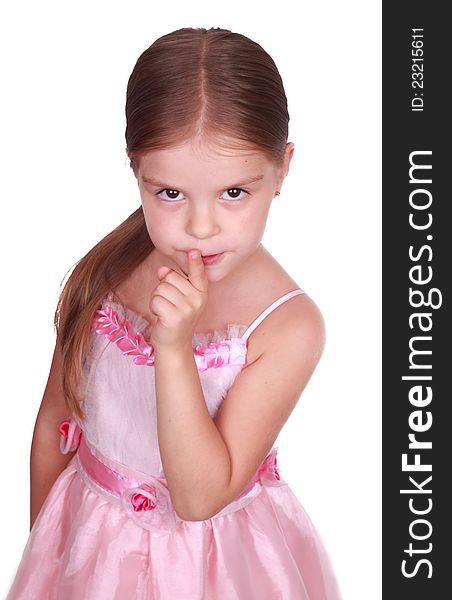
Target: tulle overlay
{"x":107,"y":529}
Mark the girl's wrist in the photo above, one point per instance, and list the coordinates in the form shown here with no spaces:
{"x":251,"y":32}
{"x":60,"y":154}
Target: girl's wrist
{"x":174,"y":353}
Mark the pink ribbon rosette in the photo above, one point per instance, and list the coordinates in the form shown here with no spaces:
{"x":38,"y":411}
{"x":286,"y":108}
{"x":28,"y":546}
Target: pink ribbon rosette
{"x":70,"y":436}
{"x":267,"y":474}
{"x":149,"y":505}
{"x":268,"y":471}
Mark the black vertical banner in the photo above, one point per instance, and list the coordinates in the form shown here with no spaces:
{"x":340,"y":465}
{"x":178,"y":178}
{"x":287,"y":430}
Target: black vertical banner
{"x":417,"y":257}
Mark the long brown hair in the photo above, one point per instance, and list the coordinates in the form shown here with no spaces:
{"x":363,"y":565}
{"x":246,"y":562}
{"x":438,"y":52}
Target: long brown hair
{"x":193,"y":82}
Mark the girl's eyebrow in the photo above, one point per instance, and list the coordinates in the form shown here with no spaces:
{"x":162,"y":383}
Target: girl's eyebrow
{"x":245,"y":181}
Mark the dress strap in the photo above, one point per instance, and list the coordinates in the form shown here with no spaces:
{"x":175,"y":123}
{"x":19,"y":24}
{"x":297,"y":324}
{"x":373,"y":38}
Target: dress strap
{"x":268,"y":310}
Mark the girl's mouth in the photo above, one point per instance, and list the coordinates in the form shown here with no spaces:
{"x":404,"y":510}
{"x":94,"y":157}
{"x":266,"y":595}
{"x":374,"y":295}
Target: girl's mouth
{"x":212,"y":258}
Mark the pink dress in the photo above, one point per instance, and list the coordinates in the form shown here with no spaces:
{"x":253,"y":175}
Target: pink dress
{"x":107,"y":529}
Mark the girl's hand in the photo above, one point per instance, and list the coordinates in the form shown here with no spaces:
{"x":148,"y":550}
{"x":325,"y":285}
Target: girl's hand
{"x":178,"y":303}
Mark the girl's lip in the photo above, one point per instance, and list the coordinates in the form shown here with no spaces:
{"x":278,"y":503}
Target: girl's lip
{"x":212,"y":258}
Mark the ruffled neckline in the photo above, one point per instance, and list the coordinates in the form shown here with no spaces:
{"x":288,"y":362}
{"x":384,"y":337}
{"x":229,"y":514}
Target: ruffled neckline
{"x":124,"y":327}
{"x":202,"y":338}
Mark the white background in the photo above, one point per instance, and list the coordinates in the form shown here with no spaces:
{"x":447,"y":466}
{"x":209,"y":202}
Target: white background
{"x":65,"y":184}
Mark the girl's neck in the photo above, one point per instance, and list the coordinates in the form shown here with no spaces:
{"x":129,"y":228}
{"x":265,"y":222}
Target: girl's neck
{"x":232,"y":299}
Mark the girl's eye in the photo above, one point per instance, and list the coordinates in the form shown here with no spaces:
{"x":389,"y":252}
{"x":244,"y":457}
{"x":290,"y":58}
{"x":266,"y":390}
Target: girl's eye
{"x":171,"y":194}
{"x":234,"y":193}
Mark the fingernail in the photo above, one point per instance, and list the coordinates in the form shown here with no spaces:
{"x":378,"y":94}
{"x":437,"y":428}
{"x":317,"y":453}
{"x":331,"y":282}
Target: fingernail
{"x":194,"y":254}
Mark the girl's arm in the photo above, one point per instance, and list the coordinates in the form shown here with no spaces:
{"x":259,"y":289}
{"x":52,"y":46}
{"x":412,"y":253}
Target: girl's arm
{"x":208,"y":462}
{"x":46,"y":459}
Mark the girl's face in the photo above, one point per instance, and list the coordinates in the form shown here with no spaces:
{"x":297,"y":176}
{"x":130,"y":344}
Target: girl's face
{"x":198,"y":196}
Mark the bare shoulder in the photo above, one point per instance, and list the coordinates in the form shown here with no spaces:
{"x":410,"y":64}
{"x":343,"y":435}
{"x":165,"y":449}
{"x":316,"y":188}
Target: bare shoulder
{"x":295,"y":329}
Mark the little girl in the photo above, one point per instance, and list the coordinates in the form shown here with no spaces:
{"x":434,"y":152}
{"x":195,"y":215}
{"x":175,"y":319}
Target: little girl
{"x":182,"y":348}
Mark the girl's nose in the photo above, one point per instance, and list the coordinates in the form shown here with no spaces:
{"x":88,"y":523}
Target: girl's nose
{"x":202,"y":220}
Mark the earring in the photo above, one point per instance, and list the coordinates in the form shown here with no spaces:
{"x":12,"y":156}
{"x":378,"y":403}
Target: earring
{"x":277,"y":193}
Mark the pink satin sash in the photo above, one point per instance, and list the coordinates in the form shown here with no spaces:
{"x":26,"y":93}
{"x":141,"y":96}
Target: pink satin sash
{"x":146,"y":498}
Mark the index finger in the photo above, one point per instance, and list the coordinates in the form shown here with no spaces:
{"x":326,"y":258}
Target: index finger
{"x":197,"y":271}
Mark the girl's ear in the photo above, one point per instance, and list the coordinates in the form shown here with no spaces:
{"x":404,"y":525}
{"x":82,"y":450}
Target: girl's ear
{"x":285,"y":166}
{"x":290,"y":148}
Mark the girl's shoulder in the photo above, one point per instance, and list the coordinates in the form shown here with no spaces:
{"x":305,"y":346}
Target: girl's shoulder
{"x":279,"y":311}
{"x":289,"y":321}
